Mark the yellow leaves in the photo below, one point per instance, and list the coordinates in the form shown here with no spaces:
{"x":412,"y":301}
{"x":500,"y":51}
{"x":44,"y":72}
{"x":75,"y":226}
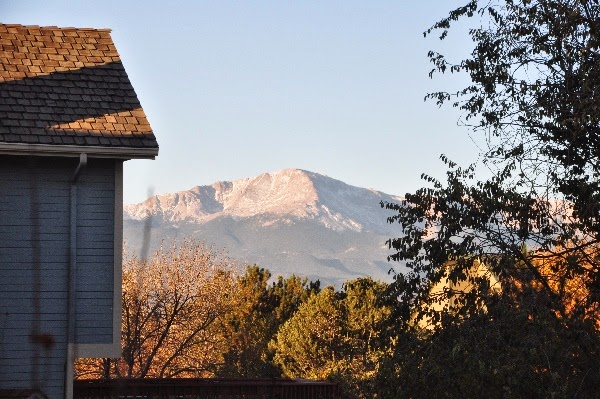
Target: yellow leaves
{"x":568,"y":272}
{"x":171,"y":307}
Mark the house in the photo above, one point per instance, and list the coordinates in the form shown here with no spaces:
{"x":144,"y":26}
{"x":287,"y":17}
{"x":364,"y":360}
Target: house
{"x":69,"y":118}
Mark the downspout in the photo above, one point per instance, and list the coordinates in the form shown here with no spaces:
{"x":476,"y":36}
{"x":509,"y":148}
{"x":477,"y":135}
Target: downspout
{"x":72,"y":278}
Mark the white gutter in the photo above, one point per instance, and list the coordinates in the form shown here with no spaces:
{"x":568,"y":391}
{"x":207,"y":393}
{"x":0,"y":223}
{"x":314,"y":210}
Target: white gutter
{"x":75,"y":151}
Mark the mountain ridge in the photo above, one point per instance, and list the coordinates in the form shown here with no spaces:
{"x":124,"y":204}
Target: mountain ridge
{"x":289,"y":192}
{"x":290,"y":221}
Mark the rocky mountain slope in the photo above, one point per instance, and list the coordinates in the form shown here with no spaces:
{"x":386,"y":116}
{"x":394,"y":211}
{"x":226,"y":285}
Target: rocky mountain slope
{"x":292,"y":221}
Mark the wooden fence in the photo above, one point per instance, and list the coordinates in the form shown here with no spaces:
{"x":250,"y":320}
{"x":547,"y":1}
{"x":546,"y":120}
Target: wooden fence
{"x":211,"y":388}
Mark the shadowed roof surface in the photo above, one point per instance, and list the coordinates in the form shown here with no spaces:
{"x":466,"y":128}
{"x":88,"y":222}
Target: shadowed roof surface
{"x":68,"y":87}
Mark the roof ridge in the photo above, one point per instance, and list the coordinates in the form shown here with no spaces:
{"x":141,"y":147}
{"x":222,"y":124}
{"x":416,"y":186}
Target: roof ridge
{"x":53,"y":27}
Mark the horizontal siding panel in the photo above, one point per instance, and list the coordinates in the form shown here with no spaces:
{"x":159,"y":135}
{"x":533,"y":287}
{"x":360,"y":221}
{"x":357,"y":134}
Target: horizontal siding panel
{"x":21,"y":276}
{"x":52,"y":285}
{"x":15,"y":358}
{"x":43,"y":225}
{"x":92,"y":265}
{"x":91,"y":314}
{"x":83,"y":253}
{"x":25,"y":304}
{"x":96,"y":176}
{"x":44,"y":251}
{"x":88,"y":233}
{"x":93,"y":320}
{"x":22,"y":342}
{"x":88,"y":236}
{"x":95,"y":223}
{"x":20,"y":266}
{"x":19,"y":372}
{"x":23,"y":240}
{"x":46,"y":206}
{"x":95,"y":335}
{"x":96,"y":242}
{"x":88,"y":278}
{"x":108,"y":217}
{"x":95,"y":197}
{"x":25,"y":263}
{"x":94,"y":284}
{"x":58,"y":285}
{"x":44,"y":222}
{"x":43,"y":173}
{"x":103,"y":290}
{"x":96,"y":303}
{"x":49,"y":197}
{"x":95,"y":331}
{"x":43,"y":170}
{"x":43,"y":317}
{"x":47,"y":185}
{"x":91,"y":294}
{"x":102,"y":245}
{"x":105,"y":259}
{"x":88,"y":209}
{"x":27,"y":218}
{"x":51,"y":384}
{"x":27,"y":258}
{"x":20,"y":232}
{"x":96,"y":180}
{"x":27,"y":244}
{"x":100,"y":336}
{"x":102,"y":184}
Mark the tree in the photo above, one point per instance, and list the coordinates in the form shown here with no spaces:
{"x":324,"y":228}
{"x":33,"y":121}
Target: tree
{"x":336,"y":335}
{"x":518,"y":346}
{"x":262,"y":309}
{"x":311,"y":343}
{"x":247,"y":328}
{"x":534,"y":95}
{"x":171,"y":308}
{"x":533,"y":106}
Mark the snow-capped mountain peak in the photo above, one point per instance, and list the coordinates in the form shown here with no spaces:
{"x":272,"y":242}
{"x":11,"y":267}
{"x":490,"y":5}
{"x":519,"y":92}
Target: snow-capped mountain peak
{"x":291,"y":221}
{"x":282,"y":196}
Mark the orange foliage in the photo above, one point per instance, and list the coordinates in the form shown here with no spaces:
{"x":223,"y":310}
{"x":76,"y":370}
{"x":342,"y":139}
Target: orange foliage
{"x":569,"y":273}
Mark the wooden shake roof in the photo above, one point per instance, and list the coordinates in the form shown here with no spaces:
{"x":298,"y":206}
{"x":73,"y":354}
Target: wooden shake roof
{"x":65,"y":90}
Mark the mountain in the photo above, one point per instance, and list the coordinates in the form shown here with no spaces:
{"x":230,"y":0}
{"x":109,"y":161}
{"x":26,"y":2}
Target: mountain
{"x":292,"y":221}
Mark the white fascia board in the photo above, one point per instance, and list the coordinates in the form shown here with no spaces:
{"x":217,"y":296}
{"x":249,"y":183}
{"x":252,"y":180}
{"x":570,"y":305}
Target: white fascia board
{"x":75,"y":150}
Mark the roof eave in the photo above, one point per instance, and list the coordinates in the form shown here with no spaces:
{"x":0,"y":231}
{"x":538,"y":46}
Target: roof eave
{"x":75,"y":150}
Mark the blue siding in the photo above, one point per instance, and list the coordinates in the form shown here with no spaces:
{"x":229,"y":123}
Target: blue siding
{"x":95,"y":251}
{"x":43,"y":236}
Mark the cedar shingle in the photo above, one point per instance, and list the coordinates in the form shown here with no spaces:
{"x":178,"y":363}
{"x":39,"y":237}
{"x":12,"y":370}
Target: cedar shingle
{"x":65,"y":86}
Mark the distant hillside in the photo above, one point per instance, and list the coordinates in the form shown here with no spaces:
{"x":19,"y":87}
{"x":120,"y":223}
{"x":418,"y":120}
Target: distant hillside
{"x":292,"y":221}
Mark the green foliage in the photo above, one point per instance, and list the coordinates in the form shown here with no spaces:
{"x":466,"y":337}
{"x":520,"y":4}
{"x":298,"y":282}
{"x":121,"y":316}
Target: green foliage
{"x":336,"y":336}
{"x":514,"y":350}
{"x":289,"y":293}
{"x":535,"y":73}
{"x":307,"y":345}
{"x":261,"y":310}
{"x":247,"y":328}
{"x":533,"y":107}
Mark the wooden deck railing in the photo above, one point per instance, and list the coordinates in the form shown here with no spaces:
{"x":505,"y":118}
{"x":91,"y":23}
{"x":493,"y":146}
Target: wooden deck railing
{"x":211,"y":388}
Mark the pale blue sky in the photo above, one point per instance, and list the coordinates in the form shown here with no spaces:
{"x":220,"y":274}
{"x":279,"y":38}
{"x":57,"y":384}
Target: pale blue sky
{"x":235,"y":89}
